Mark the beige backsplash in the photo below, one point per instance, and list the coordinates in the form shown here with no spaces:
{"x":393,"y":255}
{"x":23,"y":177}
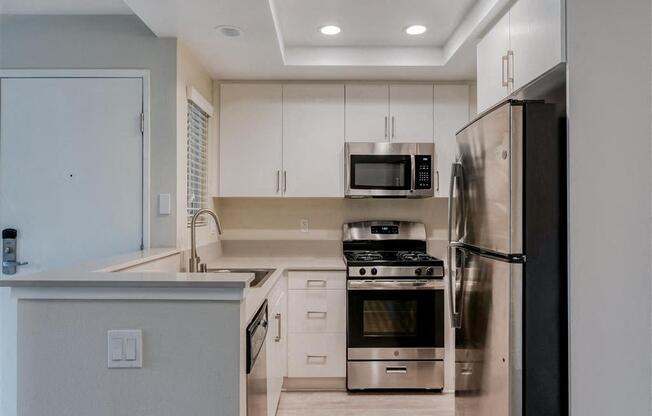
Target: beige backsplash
{"x":250,"y":224}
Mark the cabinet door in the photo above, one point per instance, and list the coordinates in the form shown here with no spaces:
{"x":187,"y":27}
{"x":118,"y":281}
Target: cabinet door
{"x":251,"y":140}
{"x":451,"y":114}
{"x":276,"y":348}
{"x":535,"y":38}
{"x":367,"y":113}
{"x":313,"y":140}
{"x":491,"y":68}
{"x":411,"y":113}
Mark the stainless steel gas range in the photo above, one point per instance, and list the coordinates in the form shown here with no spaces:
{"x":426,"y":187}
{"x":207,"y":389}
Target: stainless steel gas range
{"x":395,"y":307}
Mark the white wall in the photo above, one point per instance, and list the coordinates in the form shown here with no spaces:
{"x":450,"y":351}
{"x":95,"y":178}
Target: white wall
{"x":95,"y":42}
{"x":191,"y":73}
{"x":108,"y":42}
{"x":609,"y":85}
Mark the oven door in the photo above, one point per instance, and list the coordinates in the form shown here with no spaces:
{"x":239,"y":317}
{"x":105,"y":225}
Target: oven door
{"x":395,"y":320}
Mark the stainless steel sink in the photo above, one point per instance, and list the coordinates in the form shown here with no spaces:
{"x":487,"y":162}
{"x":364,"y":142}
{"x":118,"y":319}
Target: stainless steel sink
{"x":260,"y":275}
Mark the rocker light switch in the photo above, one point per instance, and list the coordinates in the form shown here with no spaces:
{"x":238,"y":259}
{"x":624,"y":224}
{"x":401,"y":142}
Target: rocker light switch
{"x":125,"y":348}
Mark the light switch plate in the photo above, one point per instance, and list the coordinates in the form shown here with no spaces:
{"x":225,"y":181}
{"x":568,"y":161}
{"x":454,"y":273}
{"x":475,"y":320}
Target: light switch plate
{"x":164,"y":204}
{"x":125,"y":348}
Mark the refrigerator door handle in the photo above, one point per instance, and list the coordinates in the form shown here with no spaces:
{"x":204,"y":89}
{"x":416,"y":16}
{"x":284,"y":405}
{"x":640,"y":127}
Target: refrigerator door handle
{"x":456,"y":172}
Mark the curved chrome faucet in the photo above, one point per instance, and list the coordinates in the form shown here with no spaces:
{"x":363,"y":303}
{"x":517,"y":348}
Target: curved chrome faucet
{"x":194,"y":263}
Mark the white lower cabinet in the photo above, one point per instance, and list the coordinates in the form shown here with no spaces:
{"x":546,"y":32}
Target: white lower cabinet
{"x":317,"y":355}
{"x":317,"y":324}
{"x":317,"y":311}
{"x":276,"y":346}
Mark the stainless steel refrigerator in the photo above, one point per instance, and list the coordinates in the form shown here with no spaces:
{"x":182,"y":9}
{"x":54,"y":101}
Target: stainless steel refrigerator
{"x":507,"y":263}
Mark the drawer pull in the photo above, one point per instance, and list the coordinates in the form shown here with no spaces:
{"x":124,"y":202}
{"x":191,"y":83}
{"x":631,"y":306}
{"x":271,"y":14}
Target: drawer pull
{"x":316,"y":315}
{"x":322,"y":358}
{"x":278,"y":317}
{"x":395,"y":370}
{"x":315,"y":283}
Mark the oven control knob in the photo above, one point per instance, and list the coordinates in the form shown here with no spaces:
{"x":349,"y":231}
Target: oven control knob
{"x":429,"y":271}
{"x":362,"y":271}
{"x":374,"y":271}
{"x":417,"y":271}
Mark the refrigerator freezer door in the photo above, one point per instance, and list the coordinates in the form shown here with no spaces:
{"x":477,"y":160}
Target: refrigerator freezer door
{"x":489,"y":188}
{"x":488,"y":357}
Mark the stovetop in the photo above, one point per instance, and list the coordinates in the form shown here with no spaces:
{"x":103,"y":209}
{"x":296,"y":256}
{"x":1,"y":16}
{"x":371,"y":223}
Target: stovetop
{"x":390,"y":258}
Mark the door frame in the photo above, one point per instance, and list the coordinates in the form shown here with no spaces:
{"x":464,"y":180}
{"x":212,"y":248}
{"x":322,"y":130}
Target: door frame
{"x":144,"y":76}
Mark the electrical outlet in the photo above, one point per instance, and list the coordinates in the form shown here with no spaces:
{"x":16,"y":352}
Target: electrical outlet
{"x":303,"y":224}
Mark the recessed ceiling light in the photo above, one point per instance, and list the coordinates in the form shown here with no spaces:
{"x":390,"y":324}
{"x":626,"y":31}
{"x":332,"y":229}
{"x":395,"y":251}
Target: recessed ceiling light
{"x":330,"y":30}
{"x":415,"y":30}
{"x":229,"y":31}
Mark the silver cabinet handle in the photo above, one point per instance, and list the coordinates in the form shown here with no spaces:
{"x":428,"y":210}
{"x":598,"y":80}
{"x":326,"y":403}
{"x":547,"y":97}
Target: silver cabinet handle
{"x":396,"y":370}
{"x":316,"y":357}
{"x":510,"y":66}
{"x":386,"y":129}
{"x":285,"y":181}
{"x":315,"y":282}
{"x":277,"y":338}
{"x":278,"y":181}
{"x":393,"y":128}
{"x":437,"y":172}
{"x":320,"y":314}
{"x":504,"y":63}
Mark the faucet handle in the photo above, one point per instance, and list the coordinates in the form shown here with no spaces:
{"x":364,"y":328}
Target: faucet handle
{"x":202,"y":268}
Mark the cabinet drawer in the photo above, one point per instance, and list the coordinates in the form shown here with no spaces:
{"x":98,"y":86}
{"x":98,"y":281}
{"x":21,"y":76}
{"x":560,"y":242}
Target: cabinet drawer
{"x":317,"y":280}
{"x":317,"y":355}
{"x":317,"y":311}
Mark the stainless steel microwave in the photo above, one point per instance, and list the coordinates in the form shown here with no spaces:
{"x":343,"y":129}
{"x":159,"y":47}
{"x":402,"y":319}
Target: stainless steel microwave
{"x":389,"y":170}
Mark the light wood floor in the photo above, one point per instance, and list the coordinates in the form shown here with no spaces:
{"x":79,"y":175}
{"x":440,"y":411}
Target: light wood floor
{"x":365,"y":404}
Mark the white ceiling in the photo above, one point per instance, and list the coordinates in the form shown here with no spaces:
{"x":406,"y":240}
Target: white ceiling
{"x":369,"y":22}
{"x":64,"y":7}
{"x":280,"y":39}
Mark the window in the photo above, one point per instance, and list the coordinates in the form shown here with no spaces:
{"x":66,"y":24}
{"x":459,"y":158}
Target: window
{"x":197,"y":165}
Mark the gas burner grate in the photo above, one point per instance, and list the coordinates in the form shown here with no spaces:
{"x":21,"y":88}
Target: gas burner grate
{"x":367,"y":256}
{"x":412,"y":256}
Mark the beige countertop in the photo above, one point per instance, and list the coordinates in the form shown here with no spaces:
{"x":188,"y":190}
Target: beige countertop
{"x":255,"y":296}
{"x":108,"y":279}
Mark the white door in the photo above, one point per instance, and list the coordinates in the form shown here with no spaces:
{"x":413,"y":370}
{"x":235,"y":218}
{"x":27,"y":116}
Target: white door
{"x":251,"y":140}
{"x":70,"y":181}
{"x":411,"y":113}
{"x":71,"y":168}
{"x":491,"y":68}
{"x":313,"y":140}
{"x":535,"y":38}
{"x":367,"y":113}
{"x":451,"y":114}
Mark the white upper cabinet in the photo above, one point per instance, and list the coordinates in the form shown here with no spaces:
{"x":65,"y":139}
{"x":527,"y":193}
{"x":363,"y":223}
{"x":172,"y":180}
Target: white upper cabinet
{"x":367,"y":113}
{"x":535,"y":38}
{"x":313,"y":140}
{"x":411,"y":113}
{"x":251,"y":140}
{"x":451,"y":114}
{"x":525,"y":43}
{"x":492,"y":65}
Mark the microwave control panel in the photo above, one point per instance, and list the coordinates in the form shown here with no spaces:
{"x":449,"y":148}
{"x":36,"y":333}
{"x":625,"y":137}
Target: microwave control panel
{"x":423,"y":172}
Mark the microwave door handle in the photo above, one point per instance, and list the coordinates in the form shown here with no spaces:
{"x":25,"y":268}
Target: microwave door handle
{"x":413,"y":173}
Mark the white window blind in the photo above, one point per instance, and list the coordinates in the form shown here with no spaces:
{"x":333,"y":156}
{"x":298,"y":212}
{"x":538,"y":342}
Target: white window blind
{"x":197,"y":164}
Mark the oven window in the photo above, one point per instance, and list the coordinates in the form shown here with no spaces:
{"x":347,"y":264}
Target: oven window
{"x":395,"y":318}
{"x":382,"y":318}
{"x":380,"y":172}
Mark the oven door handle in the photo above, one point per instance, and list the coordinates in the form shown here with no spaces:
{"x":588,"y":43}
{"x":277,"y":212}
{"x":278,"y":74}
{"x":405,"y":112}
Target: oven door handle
{"x":396,"y":285}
